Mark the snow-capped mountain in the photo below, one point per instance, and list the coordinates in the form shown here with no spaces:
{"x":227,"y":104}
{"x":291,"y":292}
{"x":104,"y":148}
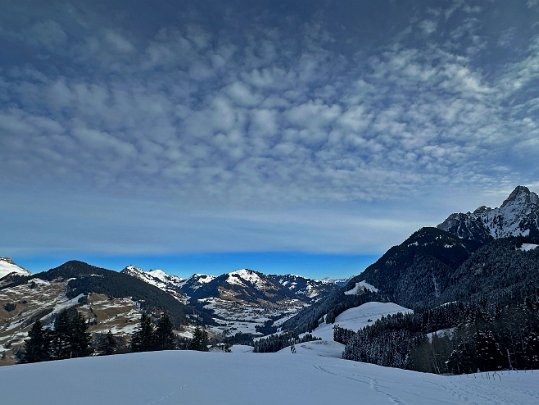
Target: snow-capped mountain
{"x":517,"y":216}
{"x":7,"y":266}
{"x":246,"y":284}
{"x":166,"y":282}
{"x":468,"y":257}
{"x":107,"y":299}
{"x":241,"y":300}
{"x":240,"y":284}
{"x":246,"y":300}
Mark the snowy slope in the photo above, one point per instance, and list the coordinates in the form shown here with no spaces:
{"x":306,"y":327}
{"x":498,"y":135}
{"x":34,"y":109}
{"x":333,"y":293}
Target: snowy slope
{"x":160,"y":279}
{"x":359,"y":317}
{"x":359,"y":287}
{"x":7,"y":267}
{"x":189,"y":378}
{"x":526,"y":247}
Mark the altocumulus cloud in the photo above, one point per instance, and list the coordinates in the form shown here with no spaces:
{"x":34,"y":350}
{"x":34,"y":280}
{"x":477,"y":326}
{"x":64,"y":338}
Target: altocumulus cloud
{"x":198,"y":126}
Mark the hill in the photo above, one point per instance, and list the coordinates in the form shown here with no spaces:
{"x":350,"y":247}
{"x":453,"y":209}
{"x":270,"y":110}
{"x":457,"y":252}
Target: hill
{"x":107,"y":299}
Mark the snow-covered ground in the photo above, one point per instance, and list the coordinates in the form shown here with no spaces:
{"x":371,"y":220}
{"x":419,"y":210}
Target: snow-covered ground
{"x":184,"y":377}
{"x":526,"y":247}
{"x":362,"y":285}
{"x":359,"y":317}
{"x":6,"y":267}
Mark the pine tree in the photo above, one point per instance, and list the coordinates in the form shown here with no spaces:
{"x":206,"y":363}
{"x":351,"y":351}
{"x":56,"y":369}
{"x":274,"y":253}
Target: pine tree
{"x":143,"y":339}
{"x":36,"y":348}
{"x":200,"y":340}
{"x":531,"y":344}
{"x":108,"y":344}
{"x":60,"y":337}
{"x":79,"y":337}
{"x":164,"y":336}
{"x":489,"y":355}
{"x":70,"y":337}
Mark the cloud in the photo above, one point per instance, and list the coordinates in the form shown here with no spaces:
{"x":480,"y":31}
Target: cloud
{"x":222,"y":118}
{"x":428,"y":26}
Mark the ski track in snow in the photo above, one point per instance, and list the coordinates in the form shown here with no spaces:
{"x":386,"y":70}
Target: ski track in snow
{"x":185,"y":377}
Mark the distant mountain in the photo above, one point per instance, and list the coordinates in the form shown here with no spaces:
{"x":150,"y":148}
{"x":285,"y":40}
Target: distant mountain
{"x":242,"y":300}
{"x":158,"y":278}
{"x":83,"y":278}
{"x":7,"y":266}
{"x":415,"y":273}
{"x":517,"y":216}
{"x":108,"y":300}
{"x":488,"y":254}
{"x":244,"y":284}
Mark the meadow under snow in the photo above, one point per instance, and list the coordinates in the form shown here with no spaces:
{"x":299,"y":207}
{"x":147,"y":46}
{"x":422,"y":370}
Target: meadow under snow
{"x":239,"y":378}
{"x":315,"y":374}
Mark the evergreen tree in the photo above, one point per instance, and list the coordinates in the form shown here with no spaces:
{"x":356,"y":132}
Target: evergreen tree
{"x":60,"y":337}
{"x":200,"y":340}
{"x":489,"y":355}
{"x":164,"y":336}
{"x":79,"y":337}
{"x":70,"y":337}
{"x":108,"y":345}
{"x":143,"y":339}
{"x":532,"y":350}
{"x":36,"y":348}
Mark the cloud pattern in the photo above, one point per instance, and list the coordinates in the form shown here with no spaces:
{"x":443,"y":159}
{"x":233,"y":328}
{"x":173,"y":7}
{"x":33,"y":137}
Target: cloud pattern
{"x":263,"y":116}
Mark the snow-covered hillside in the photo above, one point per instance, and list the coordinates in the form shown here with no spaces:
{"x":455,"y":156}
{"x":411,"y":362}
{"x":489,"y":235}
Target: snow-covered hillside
{"x":7,"y":267}
{"x":352,"y":319}
{"x":184,"y":377}
{"x":359,"y":317}
{"x":160,"y":279}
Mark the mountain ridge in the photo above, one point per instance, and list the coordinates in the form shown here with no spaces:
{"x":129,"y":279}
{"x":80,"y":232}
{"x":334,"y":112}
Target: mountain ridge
{"x":490,"y":252}
{"x":518,"y":215}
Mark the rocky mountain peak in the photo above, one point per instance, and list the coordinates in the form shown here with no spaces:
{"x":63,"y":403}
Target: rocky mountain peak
{"x":517,"y":216}
{"x":521,"y":195}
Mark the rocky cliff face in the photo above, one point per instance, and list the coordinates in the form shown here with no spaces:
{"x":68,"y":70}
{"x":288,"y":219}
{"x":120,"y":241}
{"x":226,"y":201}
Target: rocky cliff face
{"x":517,"y":216}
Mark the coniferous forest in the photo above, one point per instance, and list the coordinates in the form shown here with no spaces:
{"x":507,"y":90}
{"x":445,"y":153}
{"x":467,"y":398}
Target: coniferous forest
{"x":455,"y":338}
{"x":69,"y":338}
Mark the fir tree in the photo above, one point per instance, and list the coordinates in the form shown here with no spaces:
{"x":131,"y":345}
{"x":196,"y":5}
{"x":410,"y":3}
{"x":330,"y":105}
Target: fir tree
{"x":36,"y":348}
{"x":79,"y":337}
{"x":108,"y":344}
{"x":164,"y":336}
{"x":489,"y":355}
{"x":200,"y":340}
{"x":60,"y":338}
{"x":143,"y":339}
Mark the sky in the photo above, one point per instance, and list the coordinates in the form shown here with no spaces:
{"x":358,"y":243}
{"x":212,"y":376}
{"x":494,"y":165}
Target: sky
{"x":286,"y":136}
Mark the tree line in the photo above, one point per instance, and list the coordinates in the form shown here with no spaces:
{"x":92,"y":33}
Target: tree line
{"x":471,"y":337}
{"x":69,"y":338}
{"x":279,"y":341}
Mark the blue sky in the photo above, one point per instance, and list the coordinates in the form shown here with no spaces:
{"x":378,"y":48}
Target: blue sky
{"x":256,"y":131}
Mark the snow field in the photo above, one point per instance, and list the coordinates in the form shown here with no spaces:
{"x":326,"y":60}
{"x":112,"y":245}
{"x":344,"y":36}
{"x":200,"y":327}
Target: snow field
{"x":188,"y":378}
{"x":359,"y":317}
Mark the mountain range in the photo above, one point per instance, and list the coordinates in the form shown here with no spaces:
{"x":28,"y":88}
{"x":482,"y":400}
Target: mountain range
{"x":241,"y":301}
{"x":488,"y":254}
